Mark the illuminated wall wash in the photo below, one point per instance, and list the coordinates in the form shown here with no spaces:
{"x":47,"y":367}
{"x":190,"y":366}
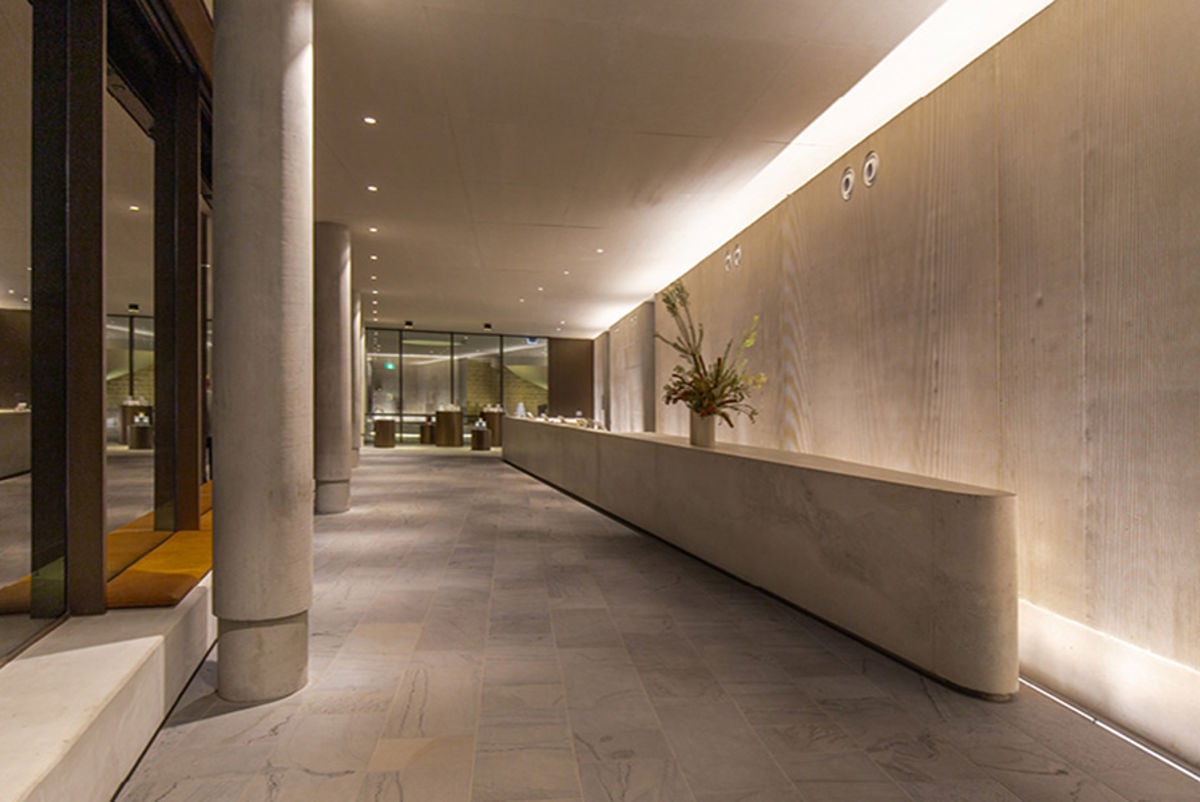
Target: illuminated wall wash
{"x":1014,"y":304}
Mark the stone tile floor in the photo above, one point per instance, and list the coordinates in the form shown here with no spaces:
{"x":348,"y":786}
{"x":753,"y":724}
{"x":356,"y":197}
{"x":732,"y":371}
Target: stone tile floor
{"x":477,"y":635}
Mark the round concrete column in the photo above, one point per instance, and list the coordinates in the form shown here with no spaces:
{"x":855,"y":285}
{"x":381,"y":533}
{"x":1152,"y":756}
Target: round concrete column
{"x":357,"y":395}
{"x":263,"y":345}
{"x":332,"y":344}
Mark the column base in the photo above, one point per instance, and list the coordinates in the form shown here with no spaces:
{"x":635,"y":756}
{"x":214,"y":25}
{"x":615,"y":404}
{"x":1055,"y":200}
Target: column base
{"x":332,"y":496}
{"x":258,"y":661}
{"x":354,"y":457}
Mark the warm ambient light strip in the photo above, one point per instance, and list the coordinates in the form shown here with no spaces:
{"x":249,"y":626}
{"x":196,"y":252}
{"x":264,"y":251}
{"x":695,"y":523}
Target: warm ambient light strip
{"x":1109,"y":728}
{"x":948,"y":40}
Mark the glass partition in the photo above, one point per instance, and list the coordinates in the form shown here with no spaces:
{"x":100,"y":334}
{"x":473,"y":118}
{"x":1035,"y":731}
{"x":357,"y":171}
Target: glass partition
{"x":129,"y":293}
{"x":526,"y":375}
{"x":32,"y":572}
{"x":383,"y":376}
{"x":477,"y":372}
{"x":427,"y":379}
{"x":412,"y":374}
{"x":118,"y":350}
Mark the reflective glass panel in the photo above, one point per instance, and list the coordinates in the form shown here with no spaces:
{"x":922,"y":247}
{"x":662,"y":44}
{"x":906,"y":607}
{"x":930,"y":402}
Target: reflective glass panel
{"x":426,"y":372}
{"x":383,"y":377}
{"x":129,"y":293}
{"x":526,"y":375}
{"x":477,"y":372}
{"x":26,"y":607}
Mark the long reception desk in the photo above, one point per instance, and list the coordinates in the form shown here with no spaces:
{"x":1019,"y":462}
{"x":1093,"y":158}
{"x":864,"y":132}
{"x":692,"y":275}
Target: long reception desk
{"x":922,"y":568}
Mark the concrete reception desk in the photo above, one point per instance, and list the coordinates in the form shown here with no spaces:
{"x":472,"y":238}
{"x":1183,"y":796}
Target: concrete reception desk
{"x":922,"y":568}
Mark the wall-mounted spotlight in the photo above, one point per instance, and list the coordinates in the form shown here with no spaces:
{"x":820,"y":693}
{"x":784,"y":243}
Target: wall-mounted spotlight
{"x":487,"y":326}
{"x":408,"y":324}
{"x":134,"y":309}
{"x":871,"y":168}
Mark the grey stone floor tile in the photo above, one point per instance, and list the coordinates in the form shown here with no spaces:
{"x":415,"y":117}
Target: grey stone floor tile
{"x":1154,"y":785}
{"x":284,"y":785}
{"x":765,"y":795}
{"x":507,"y":736}
{"x":846,"y":767}
{"x":924,"y":758}
{"x":185,"y":789}
{"x":852,"y":792}
{"x":962,"y":791}
{"x":694,"y":682}
{"x":634,"y":781}
{"x":421,"y":769}
{"x":810,"y":733}
{"x":328,"y":743}
{"x":619,"y":743}
{"x":438,"y":696}
{"x":717,"y":750}
{"x":770,"y":703}
{"x":584,"y":628}
{"x":1033,"y":771}
{"x":525,"y":774}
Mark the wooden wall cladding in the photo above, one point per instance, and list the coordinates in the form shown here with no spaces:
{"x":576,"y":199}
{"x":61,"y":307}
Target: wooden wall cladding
{"x":1013,"y":304}
{"x":570,"y":364}
{"x":15,"y":357}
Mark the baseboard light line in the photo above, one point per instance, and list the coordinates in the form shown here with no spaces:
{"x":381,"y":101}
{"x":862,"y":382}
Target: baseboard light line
{"x":1113,"y":730}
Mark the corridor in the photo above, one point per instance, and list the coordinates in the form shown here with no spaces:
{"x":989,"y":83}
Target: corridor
{"x":477,"y":635}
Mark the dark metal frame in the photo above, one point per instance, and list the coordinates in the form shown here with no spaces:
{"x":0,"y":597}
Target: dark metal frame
{"x":74,"y":45}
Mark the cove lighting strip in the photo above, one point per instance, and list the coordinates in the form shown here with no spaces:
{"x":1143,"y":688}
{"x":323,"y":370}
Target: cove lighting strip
{"x":1109,"y":728}
{"x":949,"y":39}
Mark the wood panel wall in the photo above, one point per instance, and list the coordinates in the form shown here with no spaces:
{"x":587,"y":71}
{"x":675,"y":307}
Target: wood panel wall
{"x":15,"y":357}
{"x":1015,"y":303}
{"x":571,"y":378}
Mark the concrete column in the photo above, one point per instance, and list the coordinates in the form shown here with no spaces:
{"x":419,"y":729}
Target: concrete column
{"x":357,"y":395}
{"x":263,"y":345}
{"x":332,"y":359}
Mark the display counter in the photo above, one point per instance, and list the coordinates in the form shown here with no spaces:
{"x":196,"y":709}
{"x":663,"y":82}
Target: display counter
{"x":495,"y":423}
{"x":922,"y":568}
{"x":385,"y":433}
{"x":448,"y":428}
{"x":15,"y":434}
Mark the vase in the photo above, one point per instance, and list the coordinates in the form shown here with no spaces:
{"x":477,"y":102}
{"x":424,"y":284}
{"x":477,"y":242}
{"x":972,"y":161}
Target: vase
{"x":703,"y":430}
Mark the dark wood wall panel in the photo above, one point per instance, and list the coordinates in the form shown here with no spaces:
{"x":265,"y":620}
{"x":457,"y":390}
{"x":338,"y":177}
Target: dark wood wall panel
{"x":15,"y":357}
{"x":571,"y":377}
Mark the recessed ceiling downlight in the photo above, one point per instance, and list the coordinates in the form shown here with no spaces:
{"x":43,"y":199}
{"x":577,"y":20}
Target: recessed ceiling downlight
{"x":372,"y":188}
{"x":370,"y":120}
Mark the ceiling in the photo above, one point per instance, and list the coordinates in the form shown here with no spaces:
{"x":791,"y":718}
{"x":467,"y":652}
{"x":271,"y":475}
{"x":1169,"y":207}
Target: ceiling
{"x":531,"y":156}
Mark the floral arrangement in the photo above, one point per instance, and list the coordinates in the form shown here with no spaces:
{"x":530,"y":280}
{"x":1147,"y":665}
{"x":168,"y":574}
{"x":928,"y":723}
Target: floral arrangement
{"x":708,"y":388}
